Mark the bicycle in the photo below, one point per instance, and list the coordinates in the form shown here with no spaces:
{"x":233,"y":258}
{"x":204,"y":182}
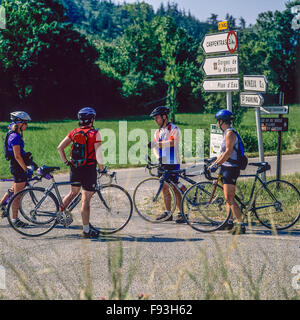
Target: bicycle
{"x":276,"y":204}
{"x":28,"y":184}
{"x":111,"y":206}
{"x":149,"y":199}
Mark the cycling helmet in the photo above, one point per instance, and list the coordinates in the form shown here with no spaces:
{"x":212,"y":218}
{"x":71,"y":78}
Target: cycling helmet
{"x":159,"y":111}
{"x":85,"y":115}
{"x":224,"y":115}
{"x":19,"y":116}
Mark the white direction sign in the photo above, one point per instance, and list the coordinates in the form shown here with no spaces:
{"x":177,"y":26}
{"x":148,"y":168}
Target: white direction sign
{"x":216,"y":138}
{"x":218,"y":66}
{"x":250,"y":99}
{"x":255,"y":83}
{"x":274,"y":110}
{"x":220,"y":42}
{"x":217,"y":85}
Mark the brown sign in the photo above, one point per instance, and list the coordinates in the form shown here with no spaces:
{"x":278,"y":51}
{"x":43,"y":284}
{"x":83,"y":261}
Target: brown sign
{"x":274,"y":124}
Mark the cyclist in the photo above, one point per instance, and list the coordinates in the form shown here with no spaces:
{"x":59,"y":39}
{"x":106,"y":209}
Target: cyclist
{"x":85,"y":175}
{"x":166,"y":149}
{"x":229,"y":168}
{"x":19,"y":160}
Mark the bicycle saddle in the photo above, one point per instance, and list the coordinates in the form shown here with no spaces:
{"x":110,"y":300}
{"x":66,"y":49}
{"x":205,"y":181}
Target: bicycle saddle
{"x":262,"y":166}
{"x":258,"y":164}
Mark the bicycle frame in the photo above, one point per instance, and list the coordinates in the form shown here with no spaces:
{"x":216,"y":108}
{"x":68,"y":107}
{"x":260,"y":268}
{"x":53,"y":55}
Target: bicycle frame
{"x":248,"y":204}
{"x":165,"y":177}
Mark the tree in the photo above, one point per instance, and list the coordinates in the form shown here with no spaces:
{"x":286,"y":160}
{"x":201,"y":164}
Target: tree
{"x":48,"y":66}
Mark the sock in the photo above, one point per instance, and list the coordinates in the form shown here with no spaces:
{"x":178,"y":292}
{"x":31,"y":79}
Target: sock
{"x":86,"y":228}
{"x":13,"y":220}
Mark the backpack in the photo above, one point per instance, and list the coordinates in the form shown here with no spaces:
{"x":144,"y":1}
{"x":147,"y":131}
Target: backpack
{"x":7,"y":154}
{"x":242,"y":160}
{"x":79,"y":149}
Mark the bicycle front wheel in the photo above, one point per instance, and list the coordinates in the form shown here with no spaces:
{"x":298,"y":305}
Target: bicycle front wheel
{"x":110,"y":209}
{"x":204,"y":207}
{"x":37,"y":212}
{"x":277,"y":206}
{"x":151,"y":200}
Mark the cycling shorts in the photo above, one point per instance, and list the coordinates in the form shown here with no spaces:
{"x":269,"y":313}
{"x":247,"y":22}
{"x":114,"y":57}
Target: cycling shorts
{"x":17,"y":172}
{"x":172,"y":177}
{"x":230,"y":174}
{"x":85,"y":177}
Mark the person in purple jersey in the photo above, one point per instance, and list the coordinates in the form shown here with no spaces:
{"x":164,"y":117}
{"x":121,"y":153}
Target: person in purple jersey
{"x":19,"y":159}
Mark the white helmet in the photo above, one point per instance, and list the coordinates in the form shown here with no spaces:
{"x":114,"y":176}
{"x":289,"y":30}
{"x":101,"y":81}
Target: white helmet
{"x":19,"y":116}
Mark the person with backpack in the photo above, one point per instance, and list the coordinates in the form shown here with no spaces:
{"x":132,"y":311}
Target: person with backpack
{"x":165,"y":147}
{"x":19,"y":161}
{"x":230,"y":162}
{"x":85,"y":154}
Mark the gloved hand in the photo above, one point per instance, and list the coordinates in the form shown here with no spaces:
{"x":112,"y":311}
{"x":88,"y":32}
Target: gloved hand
{"x":213,"y":168}
{"x":28,"y":173}
{"x":104,"y":171}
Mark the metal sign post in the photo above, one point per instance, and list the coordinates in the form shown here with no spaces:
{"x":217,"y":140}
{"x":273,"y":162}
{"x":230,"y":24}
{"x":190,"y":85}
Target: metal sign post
{"x":260,"y":140}
{"x":279,"y":144}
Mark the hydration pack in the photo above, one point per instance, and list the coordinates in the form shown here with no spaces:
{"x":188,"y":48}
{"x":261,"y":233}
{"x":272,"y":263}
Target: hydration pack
{"x":7,"y":154}
{"x":242,"y":160}
{"x":79,"y":150}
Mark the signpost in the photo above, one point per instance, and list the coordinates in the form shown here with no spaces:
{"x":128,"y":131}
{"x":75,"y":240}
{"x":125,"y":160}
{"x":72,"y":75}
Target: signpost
{"x":225,"y":42}
{"x":250,"y":99}
{"x":221,"y":66}
{"x":274,"y":124}
{"x":217,"y":85}
{"x":216,"y":138}
{"x":274,"y":110}
{"x":255,"y":83}
{"x":226,"y":65}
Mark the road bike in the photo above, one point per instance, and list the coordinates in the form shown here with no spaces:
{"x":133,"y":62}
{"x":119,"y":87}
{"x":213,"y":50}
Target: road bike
{"x":110,"y":207}
{"x":155,"y":195}
{"x":276,"y":203}
{"x":29,"y":183}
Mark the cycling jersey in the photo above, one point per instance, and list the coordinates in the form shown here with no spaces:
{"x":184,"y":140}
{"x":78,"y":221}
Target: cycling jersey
{"x":170,"y":155}
{"x":233,"y":155}
{"x":15,"y":139}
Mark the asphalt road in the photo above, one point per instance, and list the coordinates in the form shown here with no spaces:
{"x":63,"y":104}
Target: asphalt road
{"x":61,"y":265}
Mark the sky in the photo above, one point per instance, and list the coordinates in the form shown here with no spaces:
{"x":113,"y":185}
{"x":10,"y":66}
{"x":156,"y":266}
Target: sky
{"x":202,"y":9}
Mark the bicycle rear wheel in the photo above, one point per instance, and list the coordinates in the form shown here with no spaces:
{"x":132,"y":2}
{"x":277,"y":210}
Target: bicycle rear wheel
{"x":204,"y":207}
{"x":278,"y":206}
{"x":110,"y":208}
{"x":37,"y":211}
{"x":149,"y":203}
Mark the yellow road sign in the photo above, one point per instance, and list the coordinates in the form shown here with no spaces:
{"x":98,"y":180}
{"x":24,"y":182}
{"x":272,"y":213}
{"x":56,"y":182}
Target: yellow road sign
{"x":223,"y":25}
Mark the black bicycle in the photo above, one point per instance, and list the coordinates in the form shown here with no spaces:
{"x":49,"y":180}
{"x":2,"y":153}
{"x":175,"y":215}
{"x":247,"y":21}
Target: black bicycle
{"x":110,"y":207}
{"x":276,"y":203}
{"x":155,"y":195}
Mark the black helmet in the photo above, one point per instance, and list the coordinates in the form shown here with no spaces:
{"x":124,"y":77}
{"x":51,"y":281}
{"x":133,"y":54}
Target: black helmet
{"x":85,"y":115}
{"x":159,"y":111}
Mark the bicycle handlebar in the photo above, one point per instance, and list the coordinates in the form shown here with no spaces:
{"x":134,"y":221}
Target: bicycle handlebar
{"x":150,"y":166}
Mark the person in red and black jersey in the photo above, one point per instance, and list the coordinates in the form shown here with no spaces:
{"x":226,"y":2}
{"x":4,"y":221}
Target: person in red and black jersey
{"x":85,"y":175}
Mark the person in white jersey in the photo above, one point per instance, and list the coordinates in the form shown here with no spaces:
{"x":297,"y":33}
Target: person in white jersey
{"x":229,"y":169}
{"x":166,"y":149}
